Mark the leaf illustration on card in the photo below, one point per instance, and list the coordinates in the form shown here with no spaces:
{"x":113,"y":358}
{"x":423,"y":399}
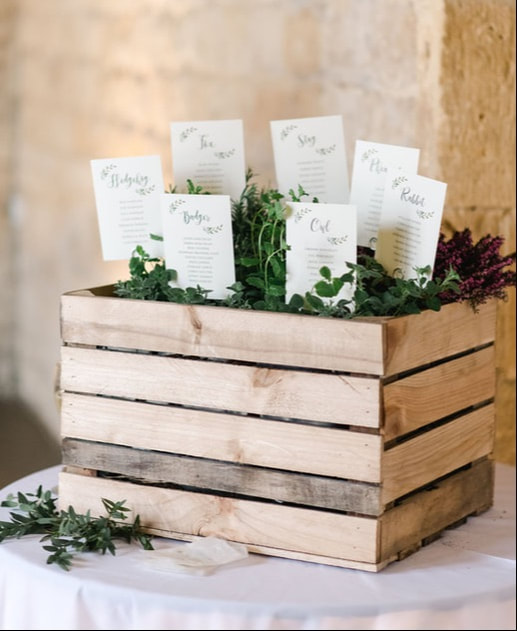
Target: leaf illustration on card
{"x":222,"y":155}
{"x":286,"y":131}
{"x":300,"y":214}
{"x":173,"y":206}
{"x":325,"y":151}
{"x":337,"y":240}
{"x":423,"y":214}
{"x":145,"y":191}
{"x":398,"y":180}
{"x":213,"y":229}
{"x":107,"y":170}
{"x":368,"y":154}
{"x":186,"y":133}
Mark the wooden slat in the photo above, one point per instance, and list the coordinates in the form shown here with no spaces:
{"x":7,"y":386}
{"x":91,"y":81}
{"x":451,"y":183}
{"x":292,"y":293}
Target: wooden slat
{"x":282,"y":527}
{"x":287,"y":554}
{"x":415,"y":340}
{"x":224,"y":386}
{"x":158,"y":467}
{"x":218,"y":332}
{"x":429,"y":456}
{"x":429,"y":512}
{"x":248,"y":440}
{"x":432,"y":394}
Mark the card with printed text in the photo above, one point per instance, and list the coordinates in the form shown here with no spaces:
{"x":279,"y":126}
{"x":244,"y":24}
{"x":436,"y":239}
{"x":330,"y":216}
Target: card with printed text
{"x":127,"y":196}
{"x":210,"y":154}
{"x":371,"y":163}
{"x":310,"y":152}
{"x":319,"y":235}
{"x":410,"y":221}
{"x":198,"y":242}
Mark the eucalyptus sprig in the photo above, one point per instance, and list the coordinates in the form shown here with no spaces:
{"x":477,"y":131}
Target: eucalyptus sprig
{"x":66,"y":531}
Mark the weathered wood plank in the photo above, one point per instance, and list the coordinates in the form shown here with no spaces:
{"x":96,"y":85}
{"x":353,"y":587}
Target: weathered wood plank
{"x":429,"y":512}
{"x":261,"y":524}
{"x":215,"y":385}
{"x":158,"y":467}
{"x":426,"y":457}
{"x":415,"y":340}
{"x":432,"y":394}
{"x":218,"y":332}
{"x":281,"y":445}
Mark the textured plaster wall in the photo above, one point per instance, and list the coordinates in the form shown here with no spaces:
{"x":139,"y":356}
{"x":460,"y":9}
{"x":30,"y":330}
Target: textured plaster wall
{"x":7,"y":21}
{"x":477,"y":157}
{"x":94,"y":79}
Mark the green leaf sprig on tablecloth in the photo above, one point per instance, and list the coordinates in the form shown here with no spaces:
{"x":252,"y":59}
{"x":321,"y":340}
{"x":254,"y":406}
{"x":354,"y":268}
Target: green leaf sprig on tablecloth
{"x":66,"y":532}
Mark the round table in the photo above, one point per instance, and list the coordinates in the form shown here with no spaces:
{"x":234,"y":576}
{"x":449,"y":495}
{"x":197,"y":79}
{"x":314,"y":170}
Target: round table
{"x":464,"y":580}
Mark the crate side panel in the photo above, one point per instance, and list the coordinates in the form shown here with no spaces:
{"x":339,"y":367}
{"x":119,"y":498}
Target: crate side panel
{"x":185,"y":471}
{"x":433,"y":394}
{"x":220,"y":332}
{"x":429,"y":512}
{"x":305,"y":395}
{"x":284,"y":527}
{"x":416,"y":340}
{"x":429,"y":456}
{"x":248,"y":440}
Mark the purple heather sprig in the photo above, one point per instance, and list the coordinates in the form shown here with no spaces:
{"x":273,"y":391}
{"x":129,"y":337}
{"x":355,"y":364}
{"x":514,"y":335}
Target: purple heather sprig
{"x":480,"y":265}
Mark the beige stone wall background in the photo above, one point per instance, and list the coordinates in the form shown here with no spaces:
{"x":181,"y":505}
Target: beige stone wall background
{"x":85,"y":79}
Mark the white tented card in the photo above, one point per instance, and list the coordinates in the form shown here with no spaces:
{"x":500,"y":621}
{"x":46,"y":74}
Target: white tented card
{"x":211,"y":155}
{"x":319,"y":235}
{"x":371,"y":163}
{"x":198,"y":242}
{"x":310,"y":152}
{"x":127,"y":195}
{"x":410,"y":222}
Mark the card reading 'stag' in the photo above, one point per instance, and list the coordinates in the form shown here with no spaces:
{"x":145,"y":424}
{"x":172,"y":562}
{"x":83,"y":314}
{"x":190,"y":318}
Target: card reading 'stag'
{"x":310,"y":152}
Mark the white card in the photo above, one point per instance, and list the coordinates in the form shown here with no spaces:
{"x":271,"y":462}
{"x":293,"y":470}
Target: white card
{"x":211,"y":154}
{"x":371,"y":163}
{"x":197,"y":231}
{"x":410,"y":223}
{"x":311,"y":152}
{"x":127,"y":195}
{"x":319,"y":235}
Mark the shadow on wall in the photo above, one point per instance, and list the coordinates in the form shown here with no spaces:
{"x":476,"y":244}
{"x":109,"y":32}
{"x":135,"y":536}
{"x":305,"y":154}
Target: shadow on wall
{"x":25,"y":447}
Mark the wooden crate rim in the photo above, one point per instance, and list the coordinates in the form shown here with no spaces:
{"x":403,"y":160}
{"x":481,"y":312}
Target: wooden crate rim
{"x":106,"y":291}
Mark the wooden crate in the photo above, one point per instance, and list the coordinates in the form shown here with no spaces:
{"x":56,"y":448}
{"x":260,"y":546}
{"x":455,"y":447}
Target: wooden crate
{"x":349,"y":443}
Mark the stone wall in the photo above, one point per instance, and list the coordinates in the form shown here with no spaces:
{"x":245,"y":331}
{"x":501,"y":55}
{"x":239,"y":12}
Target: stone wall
{"x":7,"y":369}
{"x":94,"y":79}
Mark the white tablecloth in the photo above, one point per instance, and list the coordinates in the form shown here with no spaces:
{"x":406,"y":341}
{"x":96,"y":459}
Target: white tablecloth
{"x":465,"y":580}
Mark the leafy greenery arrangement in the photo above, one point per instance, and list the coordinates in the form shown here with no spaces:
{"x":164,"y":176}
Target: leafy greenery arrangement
{"x":67,"y":531}
{"x":258,"y":222}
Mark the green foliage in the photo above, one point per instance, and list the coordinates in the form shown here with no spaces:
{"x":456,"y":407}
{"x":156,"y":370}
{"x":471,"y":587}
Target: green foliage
{"x":258,"y":223}
{"x":68,"y":532}
{"x":377,"y":293}
{"x":150,"y":280}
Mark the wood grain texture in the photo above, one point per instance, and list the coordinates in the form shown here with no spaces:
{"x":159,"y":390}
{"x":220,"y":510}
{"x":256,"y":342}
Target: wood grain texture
{"x":429,"y":512}
{"x":425,"y":458}
{"x":215,"y":476}
{"x":282,"y":527}
{"x":218,"y":332}
{"x":427,"y":396}
{"x":413,"y":341}
{"x":282,"y":393}
{"x":248,"y":440}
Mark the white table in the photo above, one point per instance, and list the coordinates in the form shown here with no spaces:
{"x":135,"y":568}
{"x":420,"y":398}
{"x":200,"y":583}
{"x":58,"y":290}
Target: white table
{"x":465,"y":580}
